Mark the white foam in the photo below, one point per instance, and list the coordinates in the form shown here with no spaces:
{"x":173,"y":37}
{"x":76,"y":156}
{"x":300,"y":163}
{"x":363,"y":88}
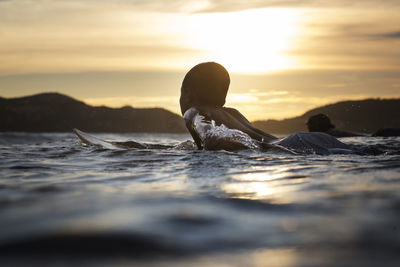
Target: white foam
{"x":208,"y":130}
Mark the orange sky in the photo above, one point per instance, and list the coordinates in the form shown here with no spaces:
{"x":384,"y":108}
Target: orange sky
{"x":284,"y":56}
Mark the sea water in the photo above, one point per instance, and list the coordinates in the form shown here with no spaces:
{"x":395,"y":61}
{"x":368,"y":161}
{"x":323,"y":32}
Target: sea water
{"x":63,"y":203}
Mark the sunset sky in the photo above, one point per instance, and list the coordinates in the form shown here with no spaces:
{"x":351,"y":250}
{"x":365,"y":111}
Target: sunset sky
{"x":284,"y":56}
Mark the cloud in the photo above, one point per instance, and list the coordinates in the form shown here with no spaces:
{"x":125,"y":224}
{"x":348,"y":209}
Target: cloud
{"x":89,"y":56}
{"x":210,"y":6}
{"x":107,"y":35}
{"x":90,"y":5}
{"x":374,"y":29}
{"x":253,"y":96}
{"x":388,"y":35}
{"x":237,"y":5}
{"x":350,"y":39}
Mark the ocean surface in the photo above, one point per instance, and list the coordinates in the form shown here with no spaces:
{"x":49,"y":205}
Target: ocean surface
{"x":64,"y":203}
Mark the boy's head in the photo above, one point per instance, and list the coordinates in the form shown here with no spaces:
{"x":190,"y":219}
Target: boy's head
{"x":206,"y":84}
{"x":319,"y":123}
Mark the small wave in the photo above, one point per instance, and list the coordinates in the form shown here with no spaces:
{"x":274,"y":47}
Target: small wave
{"x":29,"y":167}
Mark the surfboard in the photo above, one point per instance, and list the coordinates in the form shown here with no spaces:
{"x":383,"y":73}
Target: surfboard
{"x":92,"y":140}
{"x":89,"y":139}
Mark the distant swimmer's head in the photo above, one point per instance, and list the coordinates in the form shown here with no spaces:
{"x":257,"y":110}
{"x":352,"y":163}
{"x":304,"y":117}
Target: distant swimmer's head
{"x":206,"y":84}
{"x":319,"y":123}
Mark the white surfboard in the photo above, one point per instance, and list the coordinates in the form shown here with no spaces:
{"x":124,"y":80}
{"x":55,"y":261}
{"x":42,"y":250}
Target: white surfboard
{"x":92,"y":140}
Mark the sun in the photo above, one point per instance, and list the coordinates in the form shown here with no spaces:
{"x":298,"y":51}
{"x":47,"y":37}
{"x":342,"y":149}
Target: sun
{"x":251,"y":41}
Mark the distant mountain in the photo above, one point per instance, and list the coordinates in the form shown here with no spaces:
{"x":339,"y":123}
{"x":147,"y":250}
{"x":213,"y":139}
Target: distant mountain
{"x":53,"y":112}
{"x":363,"y":116}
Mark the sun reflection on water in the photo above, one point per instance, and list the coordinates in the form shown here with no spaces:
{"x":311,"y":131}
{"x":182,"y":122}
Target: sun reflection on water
{"x":272,"y":184}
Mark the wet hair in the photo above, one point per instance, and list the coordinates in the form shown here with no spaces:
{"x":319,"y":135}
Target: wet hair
{"x":206,"y":84}
{"x":319,"y":123}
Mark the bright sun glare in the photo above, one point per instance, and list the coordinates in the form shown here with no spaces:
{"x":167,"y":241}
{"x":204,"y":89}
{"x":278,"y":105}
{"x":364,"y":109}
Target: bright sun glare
{"x":252,"y":41}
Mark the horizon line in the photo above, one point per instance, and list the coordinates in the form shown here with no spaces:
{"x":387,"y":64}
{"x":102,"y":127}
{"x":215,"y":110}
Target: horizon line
{"x":160,"y":107}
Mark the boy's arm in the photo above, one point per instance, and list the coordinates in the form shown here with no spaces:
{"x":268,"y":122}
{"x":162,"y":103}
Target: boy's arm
{"x":242,"y":119}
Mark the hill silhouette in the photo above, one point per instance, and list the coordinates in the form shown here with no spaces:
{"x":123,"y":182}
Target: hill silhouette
{"x":53,"y":112}
{"x":363,"y":116}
